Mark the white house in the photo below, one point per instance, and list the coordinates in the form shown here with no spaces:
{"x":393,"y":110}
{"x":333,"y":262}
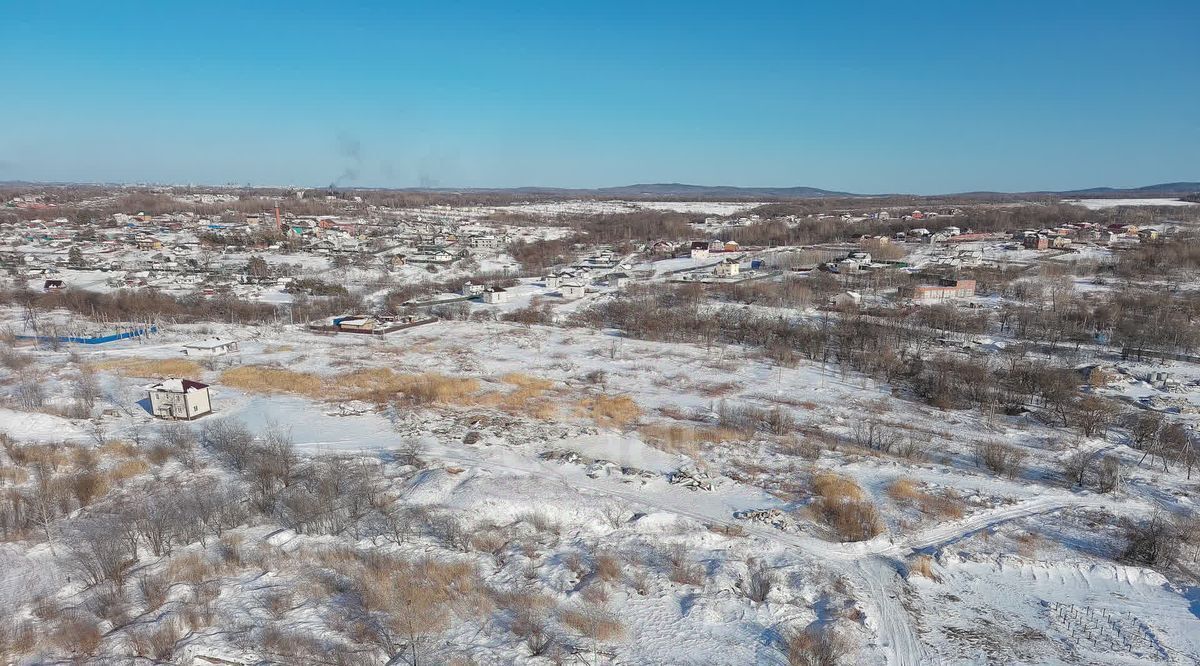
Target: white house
{"x":495,"y":295}
{"x":210,"y":347}
{"x":572,"y":289}
{"x":727,"y":268}
{"x":179,"y":399}
{"x":618,"y":280}
{"x":471,"y":289}
{"x":552,"y":281}
{"x":846,"y":299}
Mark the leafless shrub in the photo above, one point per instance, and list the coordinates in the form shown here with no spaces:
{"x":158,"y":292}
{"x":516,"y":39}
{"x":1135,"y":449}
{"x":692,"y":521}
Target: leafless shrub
{"x":158,"y":643}
{"x":108,"y":603}
{"x":682,"y":570}
{"x":491,"y":540}
{"x":759,"y":582}
{"x":999,"y":457}
{"x":541,"y":522}
{"x":449,"y":530}
{"x":229,"y":439}
{"x":816,"y":646}
{"x":1155,"y":542}
{"x":154,"y":590}
{"x":1075,"y":466}
{"x":99,"y":551}
{"x":76,"y":634}
{"x":615,"y":513}
{"x":608,"y":567}
{"x":17,"y":638}
{"x":1109,"y":477}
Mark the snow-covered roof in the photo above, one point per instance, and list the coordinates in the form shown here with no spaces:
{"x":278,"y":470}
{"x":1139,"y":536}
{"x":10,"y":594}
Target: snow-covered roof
{"x":177,"y":385}
{"x":211,"y":343}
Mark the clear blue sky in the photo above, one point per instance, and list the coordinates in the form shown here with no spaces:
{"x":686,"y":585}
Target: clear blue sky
{"x":918,"y":97}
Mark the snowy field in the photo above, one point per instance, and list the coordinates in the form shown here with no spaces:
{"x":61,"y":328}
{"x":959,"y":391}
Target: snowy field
{"x":1100,"y":204}
{"x":1020,"y":573}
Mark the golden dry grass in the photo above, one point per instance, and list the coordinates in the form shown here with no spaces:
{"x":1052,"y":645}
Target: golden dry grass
{"x":686,"y":439}
{"x":611,"y":411}
{"x":118,"y":449}
{"x":922,"y":565}
{"x":157,"y":368}
{"x":835,"y":487}
{"x":127,"y":469}
{"x":947,"y":505}
{"x":527,"y":381}
{"x":267,"y":379}
{"x":905,"y":490}
{"x":595,"y":623}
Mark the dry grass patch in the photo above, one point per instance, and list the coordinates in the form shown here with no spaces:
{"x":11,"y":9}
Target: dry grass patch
{"x":922,"y":565}
{"x":598,"y":624}
{"x":843,"y":506}
{"x":157,"y":368}
{"x":947,"y":505}
{"x":127,"y":469}
{"x":119,"y":449}
{"x":611,"y":411}
{"x":267,"y":379}
{"x":686,"y":439}
{"x":831,"y":486}
{"x":527,"y":381}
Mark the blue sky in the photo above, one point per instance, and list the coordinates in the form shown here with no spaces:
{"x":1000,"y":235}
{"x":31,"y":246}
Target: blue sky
{"x":920,"y":97}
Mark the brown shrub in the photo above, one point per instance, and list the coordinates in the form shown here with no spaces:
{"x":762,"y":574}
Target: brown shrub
{"x":76,"y":634}
{"x":816,"y":646}
{"x":608,"y":567}
{"x":16,"y":639}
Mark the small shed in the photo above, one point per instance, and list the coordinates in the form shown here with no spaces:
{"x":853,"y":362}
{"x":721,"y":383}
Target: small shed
{"x":210,"y":347}
{"x":572,"y":290}
{"x":727,"y":268}
{"x":495,"y":295}
{"x":177,"y":399}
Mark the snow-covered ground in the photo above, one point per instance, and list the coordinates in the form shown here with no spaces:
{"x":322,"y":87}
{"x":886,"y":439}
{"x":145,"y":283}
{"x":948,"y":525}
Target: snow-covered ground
{"x":1100,"y":204}
{"x":1024,"y":575}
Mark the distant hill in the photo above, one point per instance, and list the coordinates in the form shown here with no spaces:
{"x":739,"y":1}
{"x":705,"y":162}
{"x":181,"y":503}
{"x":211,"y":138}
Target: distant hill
{"x":717,"y":191}
{"x":1161,"y":189}
{"x":731,"y":192}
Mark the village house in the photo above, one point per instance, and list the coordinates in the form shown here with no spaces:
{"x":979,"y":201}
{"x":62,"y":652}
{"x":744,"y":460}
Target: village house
{"x":179,"y":399}
{"x":53,"y":285}
{"x":946,"y":288}
{"x":727,"y":268}
{"x":495,"y":295}
{"x":1036,"y":242}
{"x":618,"y":280}
{"x":662,"y":247}
{"x":210,"y":347}
{"x":699,"y":250}
{"x":471,"y":289}
{"x":846,"y":300}
{"x":572,"y":289}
